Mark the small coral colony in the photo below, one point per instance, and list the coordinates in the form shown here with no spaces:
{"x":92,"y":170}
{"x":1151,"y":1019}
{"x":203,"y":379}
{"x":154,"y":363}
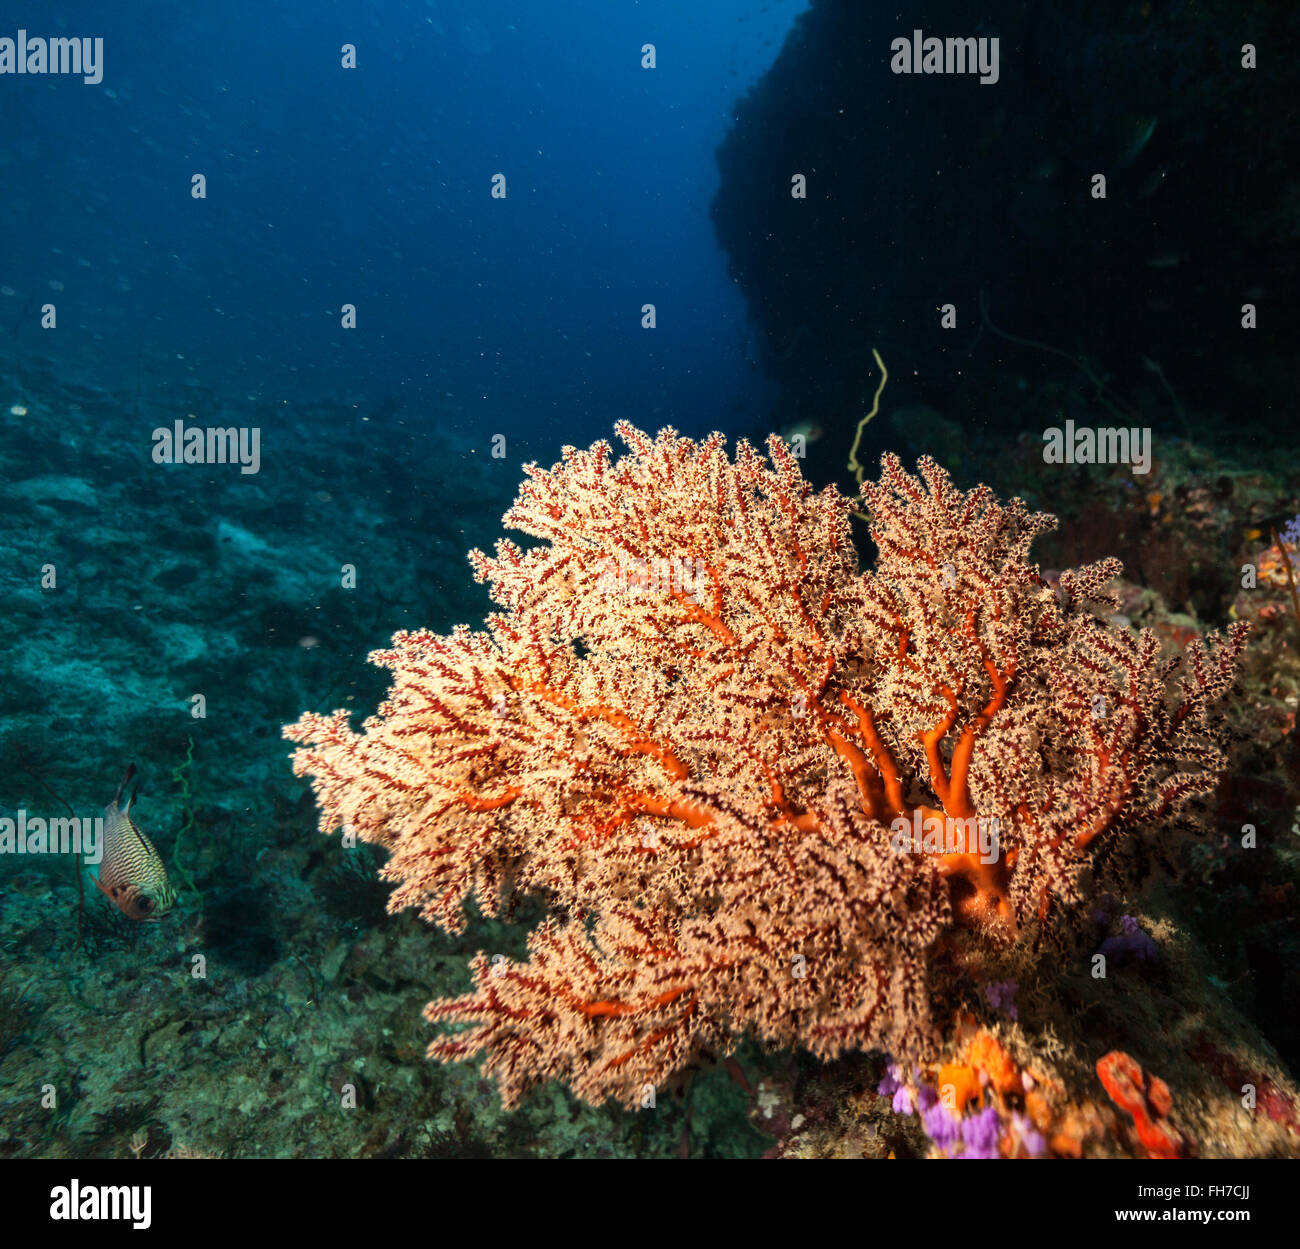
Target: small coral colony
{"x":766,"y":792}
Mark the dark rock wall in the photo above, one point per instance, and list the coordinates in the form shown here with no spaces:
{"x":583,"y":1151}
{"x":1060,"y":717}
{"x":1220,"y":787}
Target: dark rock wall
{"x":925,"y":190}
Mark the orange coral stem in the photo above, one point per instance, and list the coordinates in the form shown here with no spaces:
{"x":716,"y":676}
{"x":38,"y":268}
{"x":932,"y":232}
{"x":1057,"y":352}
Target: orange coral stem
{"x":985,"y":899}
{"x":930,"y":739}
{"x":658,"y":1035}
{"x":885,"y":765}
{"x":879,"y":782}
{"x":714,"y":624}
{"x":870,"y":788}
{"x":623,"y":1008}
{"x":959,"y":773}
{"x":804,"y":821}
{"x":980,"y":892}
{"x":480,"y":802}
{"x":693,"y":814}
{"x":711,"y":620}
{"x":643,"y":743}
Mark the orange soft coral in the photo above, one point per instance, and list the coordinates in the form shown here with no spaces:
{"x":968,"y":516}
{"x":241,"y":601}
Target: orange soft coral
{"x":1147,"y":1099}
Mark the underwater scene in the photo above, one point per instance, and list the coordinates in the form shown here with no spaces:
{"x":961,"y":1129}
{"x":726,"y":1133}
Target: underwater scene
{"x":593,"y":579}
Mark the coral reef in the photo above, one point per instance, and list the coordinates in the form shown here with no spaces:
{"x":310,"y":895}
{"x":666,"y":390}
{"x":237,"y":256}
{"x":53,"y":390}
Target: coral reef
{"x":761,"y":790}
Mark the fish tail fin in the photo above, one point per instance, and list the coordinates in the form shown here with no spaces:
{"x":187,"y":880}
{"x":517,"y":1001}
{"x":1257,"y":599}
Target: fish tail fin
{"x":126,"y":780}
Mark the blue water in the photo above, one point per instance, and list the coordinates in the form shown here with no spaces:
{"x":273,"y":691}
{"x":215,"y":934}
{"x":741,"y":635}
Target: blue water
{"x":373,"y":186}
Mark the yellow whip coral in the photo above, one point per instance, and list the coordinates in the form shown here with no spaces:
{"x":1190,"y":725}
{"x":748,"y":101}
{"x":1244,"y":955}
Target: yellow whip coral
{"x":761,"y":791}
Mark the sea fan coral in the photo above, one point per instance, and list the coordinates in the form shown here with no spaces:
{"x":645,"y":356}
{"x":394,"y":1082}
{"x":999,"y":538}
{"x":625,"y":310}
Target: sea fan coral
{"x":760,"y":789}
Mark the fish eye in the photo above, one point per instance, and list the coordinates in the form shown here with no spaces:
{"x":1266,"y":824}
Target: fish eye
{"x":144,"y":904}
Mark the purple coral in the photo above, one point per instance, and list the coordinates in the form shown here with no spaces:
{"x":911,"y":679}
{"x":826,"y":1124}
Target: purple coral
{"x":1002,"y":996}
{"x":891,"y":1085}
{"x":941,"y":1126}
{"x":1131,"y":944}
{"x":1028,"y":1135}
{"x":980,"y":1134}
{"x":904,"y":1103}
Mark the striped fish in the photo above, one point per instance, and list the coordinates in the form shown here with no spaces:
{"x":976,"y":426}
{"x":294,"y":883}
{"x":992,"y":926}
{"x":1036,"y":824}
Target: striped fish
{"x":131,"y":874}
